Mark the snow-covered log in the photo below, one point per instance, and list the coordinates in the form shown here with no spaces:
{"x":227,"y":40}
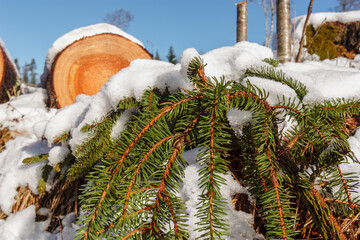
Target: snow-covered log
{"x":8,"y":74}
{"x":80,"y":62}
{"x":330,"y":35}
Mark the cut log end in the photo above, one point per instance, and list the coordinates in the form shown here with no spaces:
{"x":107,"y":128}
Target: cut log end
{"x":2,"y":66}
{"x":8,"y":77}
{"x":85,"y":66}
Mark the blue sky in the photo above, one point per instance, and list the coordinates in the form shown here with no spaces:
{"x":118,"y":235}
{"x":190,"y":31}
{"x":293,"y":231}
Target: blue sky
{"x":29,"y":27}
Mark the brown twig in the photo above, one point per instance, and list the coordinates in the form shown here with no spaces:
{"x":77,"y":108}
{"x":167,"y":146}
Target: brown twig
{"x":304,"y":30}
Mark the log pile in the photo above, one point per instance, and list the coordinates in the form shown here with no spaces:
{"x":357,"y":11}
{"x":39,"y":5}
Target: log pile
{"x":86,"y":64}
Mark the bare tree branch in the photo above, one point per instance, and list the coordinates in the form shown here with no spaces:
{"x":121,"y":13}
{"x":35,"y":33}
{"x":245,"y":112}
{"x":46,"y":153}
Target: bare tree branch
{"x":347,"y":5}
{"x":268,"y":6}
{"x":304,"y":30}
{"x":119,"y":18}
{"x":272,"y":20}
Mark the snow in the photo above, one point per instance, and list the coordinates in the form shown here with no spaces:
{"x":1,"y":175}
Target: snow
{"x":3,"y":47}
{"x":22,"y":225}
{"x":77,"y":34}
{"x":237,"y":119}
{"x":35,"y":127}
{"x":239,"y":222}
{"x":120,"y":124}
{"x":325,"y":81}
{"x":57,"y":155}
{"x":20,"y":115}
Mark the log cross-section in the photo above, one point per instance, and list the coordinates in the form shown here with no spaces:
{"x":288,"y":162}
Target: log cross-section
{"x":85,"y":65}
{"x":8,"y":77}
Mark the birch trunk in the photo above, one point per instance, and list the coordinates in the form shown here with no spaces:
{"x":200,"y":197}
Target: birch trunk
{"x":283,"y":26}
{"x":242,"y":21}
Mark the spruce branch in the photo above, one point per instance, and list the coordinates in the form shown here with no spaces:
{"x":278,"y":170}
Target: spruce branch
{"x":278,"y":76}
{"x":133,"y":180}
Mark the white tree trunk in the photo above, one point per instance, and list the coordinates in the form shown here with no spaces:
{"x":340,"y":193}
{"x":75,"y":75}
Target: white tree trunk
{"x":272,"y":9}
{"x":242,"y":21}
{"x":269,"y":5}
{"x":283,"y":26}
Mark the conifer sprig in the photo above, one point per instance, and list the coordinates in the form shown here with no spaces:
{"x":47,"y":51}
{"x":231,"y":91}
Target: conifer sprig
{"x":201,"y":121}
{"x":278,"y":76}
{"x":133,"y":180}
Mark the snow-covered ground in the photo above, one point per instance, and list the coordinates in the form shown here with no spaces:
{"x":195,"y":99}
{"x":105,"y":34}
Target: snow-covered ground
{"x":32,"y":121}
{"x":35,"y":127}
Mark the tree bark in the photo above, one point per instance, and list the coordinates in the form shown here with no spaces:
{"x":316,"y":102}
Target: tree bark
{"x":283,"y":26}
{"x":84,"y":66}
{"x":242,"y":21}
{"x":8,"y":77}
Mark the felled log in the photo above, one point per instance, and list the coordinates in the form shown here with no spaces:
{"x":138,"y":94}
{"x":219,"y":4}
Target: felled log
{"x":8,"y":75}
{"x":334,"y":39}
{"x":86,"y":64}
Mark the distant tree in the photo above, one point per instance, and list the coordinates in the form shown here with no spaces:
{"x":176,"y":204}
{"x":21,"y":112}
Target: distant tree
{"x":157,"y":56}
{"x":16,"y":61}
{"x":25,"y":73}
{"x":347,"y":5}
{"x":171,"y":56}
{"x":32,"y":68}
{"x":269,"y":7}
{"x":28,"y":72}
{"x":120,"y":18}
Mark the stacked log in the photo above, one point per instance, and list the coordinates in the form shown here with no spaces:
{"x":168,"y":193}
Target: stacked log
{"x":334,"y":39}
{"x":8,"y":75}
{"x":85,"y":65}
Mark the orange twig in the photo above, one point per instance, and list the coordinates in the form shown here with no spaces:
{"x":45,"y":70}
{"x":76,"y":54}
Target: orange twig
{"x":278,"y":200}
{"x":346,"y":188}
{"x":141,"y":162}
{"x":150,"y":99}
{"x":317,"y":195}
{"x":202,"y":76}
{"x":135,"y":231}
{"x":125,"y":154}
{"x":211,"y":192}
{"x":167,"y":200}
{"x":253,"y":96}
{"x":301,"y":114}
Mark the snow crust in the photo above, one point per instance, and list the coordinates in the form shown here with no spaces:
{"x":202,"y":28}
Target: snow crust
{"x":239,"y":222}
{"x":19,"y":116}
{"x":22,"y":226}
{"x":32,"y":122}
{"x":77,"y":34}
{"x":58,"y":154}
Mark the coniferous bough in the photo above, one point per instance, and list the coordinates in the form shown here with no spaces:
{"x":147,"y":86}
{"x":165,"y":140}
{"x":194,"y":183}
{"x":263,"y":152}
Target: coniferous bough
{"x":132,"y":181}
